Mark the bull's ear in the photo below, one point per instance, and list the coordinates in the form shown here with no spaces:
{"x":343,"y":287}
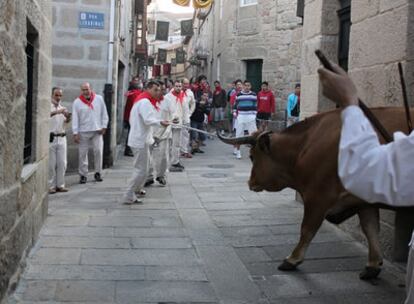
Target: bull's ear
{"x":264,"y":141}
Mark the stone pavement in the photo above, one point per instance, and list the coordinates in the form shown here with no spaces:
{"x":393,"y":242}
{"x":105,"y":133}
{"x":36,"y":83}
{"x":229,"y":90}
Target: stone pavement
{"x":203,"y":239}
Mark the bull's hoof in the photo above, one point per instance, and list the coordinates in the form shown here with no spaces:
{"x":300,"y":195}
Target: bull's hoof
{"x":288,"y":266}
{"x":369,"y":273}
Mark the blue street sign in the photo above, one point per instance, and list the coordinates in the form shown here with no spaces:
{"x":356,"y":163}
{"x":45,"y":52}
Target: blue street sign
{"x":91,"y":20}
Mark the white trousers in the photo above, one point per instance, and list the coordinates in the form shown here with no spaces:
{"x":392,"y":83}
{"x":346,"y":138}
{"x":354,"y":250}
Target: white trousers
{"x":57,"y":162}
{"x":159,"y":159}
{"x":87,"y":138}
{"x":139,"y":173}
{"x":245,"y":125}
{"x":175,"y":146}
{"x":410,"y":276}
{"x":185,"y":140}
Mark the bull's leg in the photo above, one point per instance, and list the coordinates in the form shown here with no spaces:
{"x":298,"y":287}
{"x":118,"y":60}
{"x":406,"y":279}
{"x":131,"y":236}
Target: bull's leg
{"x":369,"y":219}
{"x":312,"y":220}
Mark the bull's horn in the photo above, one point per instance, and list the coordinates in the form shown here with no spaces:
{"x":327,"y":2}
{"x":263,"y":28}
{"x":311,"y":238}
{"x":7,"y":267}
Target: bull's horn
{"x":245,"y":140}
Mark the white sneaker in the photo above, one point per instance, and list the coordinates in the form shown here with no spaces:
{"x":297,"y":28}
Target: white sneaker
{"x":238,"y":154}
{"x":235,"y":151}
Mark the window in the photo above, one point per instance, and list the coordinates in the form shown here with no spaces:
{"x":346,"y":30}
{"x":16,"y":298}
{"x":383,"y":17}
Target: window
{"x":248,"y":2}
{"x":28,"y":151}
{"x":140,"y":34}
{"x":300,"y":9}
{"x":344,"y":15}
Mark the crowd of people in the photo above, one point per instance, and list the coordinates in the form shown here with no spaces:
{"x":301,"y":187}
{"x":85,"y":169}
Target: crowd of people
{"x":191,"y":110}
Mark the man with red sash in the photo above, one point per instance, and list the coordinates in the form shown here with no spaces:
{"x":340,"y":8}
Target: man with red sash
{"x":190,"y":103}
{"x":162,"y":137}
{"x":177,"y":98}
{"x":144,"y":116}
{"x":134,"y":91}
{"x":89,"y":123}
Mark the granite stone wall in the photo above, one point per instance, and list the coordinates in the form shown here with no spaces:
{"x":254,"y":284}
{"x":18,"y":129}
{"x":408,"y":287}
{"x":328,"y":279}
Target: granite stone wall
{"x":23,"y":187}
{"x":269,"y":31}
{"x":81,"y":55}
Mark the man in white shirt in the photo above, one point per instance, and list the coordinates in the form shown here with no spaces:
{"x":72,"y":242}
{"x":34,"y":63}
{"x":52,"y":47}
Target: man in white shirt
{"x":176,"y":96}
{"x":144,"y":116}
{"x":59,"y":115}
{"x":90,"y":120}
{"x":162,"y":136}
{"x":369,"y":170}
{"x":190,"y":103}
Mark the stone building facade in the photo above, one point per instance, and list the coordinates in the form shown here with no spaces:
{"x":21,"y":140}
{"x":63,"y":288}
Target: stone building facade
{"x":249,"y":39}
{"x":102,"y":52}
{"x":368,"y":38}
{"x":25,"y":68}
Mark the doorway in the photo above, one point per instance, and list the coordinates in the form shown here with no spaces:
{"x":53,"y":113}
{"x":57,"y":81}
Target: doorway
{"x":254,"y":73}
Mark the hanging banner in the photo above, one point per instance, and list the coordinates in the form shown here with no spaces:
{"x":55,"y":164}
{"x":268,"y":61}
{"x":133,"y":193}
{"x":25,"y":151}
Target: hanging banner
{"x":162,"y":56}
{"x":166,"y":69}
{"x":180,"y":56}
{"x":173,"y":62}
{"x":187,"y":28}
{"x":156,"y":70}
{"x":202,"y":3}
{"x":150,"y":61}
{"x":162,"y":30}
{"x":182,"y":2}
{"x":196,"y":3}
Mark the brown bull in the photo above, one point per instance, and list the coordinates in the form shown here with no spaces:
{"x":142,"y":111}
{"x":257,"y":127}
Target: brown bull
{"x":304,"y":157}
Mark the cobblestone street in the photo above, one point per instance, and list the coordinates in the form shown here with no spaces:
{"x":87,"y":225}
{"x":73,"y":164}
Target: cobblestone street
{"x":205,"y":238}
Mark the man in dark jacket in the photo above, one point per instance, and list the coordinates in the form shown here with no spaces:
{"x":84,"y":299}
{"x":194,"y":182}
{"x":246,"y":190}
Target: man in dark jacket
{"x":197,"y":121}
{"x":219,"y":105}
{"x":134,"y":89}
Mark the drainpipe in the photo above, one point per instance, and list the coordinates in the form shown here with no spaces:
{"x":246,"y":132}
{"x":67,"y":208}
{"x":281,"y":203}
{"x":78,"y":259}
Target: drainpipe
{"x":108,"y":158}
{"x":111,"y":42}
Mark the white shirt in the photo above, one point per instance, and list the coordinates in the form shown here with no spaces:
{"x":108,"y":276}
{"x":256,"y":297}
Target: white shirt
{"x":142,"y":118}
{"x":57,"y":122}
{"x":85,"y":119}
{"x":371,"y":171}
{"x":191,"y":101}
{"x":182,"y":109}
{"x":168,"y":108}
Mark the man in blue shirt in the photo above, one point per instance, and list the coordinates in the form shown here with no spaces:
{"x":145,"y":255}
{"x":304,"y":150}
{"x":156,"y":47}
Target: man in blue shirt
{"x":293,"y":106}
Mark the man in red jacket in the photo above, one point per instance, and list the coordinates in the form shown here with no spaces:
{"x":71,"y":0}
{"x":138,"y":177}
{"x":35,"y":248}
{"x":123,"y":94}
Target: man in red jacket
{"x":134,"y":90}
{"x":265,"y":105}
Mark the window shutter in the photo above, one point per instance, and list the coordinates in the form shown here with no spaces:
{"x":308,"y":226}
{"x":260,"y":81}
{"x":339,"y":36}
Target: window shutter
{"x":300,"y":11}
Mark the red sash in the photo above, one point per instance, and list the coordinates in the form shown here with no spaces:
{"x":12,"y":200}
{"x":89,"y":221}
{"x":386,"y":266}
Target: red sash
{"x":88,"y":102}
{"x":146,"y":95}
{"x":179,"y":96}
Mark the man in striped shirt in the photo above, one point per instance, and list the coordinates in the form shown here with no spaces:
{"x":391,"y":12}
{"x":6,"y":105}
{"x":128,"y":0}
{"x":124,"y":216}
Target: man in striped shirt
{"x":245,"y":108}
